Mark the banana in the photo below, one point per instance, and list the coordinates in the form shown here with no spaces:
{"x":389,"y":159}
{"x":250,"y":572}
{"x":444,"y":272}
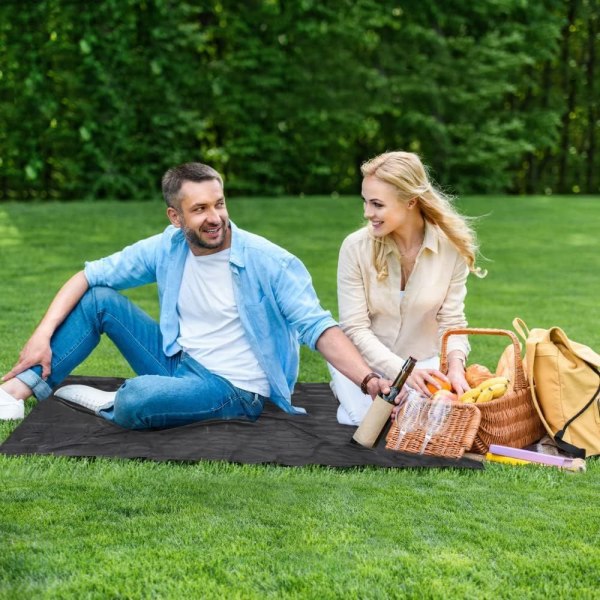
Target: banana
{"x":498,"y":389}
{"x":491,"y":392}
{"x":493,"y":381}
{"x":491,"y":388}
{"x":486,"y":395}
{"x":471,"y":395}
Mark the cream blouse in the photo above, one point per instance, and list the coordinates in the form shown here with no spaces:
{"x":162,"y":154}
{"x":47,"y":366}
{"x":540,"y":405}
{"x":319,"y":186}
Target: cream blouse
{"x":387,"y":326}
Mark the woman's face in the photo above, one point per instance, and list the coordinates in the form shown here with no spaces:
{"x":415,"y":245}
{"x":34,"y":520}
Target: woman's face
{"x":382,"y":207}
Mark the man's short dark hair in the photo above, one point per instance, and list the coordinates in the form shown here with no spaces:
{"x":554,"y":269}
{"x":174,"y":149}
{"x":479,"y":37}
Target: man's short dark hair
{"x":175,"y":177}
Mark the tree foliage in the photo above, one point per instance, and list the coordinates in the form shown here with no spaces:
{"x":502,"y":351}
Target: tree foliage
{"x":98,"y":99}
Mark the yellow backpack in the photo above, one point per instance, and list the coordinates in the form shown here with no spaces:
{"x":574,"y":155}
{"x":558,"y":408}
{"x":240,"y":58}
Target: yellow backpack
{"x":565,"y":387}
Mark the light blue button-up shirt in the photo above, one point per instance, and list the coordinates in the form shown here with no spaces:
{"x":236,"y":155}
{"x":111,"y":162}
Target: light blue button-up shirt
{"x":278,"y":305}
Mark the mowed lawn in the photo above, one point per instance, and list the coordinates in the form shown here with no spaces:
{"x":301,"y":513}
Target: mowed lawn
{"x":74,"y":528}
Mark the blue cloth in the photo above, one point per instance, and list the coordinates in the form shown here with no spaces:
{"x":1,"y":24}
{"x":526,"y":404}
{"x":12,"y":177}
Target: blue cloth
{"x":278,"y":305}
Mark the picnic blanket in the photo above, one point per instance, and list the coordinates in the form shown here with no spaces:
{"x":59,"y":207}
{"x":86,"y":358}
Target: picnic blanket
{"x":59,"y":428}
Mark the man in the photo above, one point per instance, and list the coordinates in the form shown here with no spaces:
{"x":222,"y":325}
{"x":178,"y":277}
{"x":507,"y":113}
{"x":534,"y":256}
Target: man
{"x":233,"y":307}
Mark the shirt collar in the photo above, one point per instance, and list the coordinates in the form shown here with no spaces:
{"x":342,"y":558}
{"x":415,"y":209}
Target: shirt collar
{"x":431,"y":240}
{"x":237,"y":246}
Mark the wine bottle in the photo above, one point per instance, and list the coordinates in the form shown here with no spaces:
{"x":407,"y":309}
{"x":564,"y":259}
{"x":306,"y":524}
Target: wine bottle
{"x":381,"y":408}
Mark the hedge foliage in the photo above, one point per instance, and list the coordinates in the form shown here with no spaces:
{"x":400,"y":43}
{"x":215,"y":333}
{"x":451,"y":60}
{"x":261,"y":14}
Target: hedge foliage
{"x":99,"y":98}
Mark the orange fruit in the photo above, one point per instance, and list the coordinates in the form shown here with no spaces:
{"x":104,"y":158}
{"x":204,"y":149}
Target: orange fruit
{"x":444,"y":395}
{"x":445,"y":385}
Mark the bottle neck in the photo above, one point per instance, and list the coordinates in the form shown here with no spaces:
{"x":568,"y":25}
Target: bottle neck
{"x":400,"y":380}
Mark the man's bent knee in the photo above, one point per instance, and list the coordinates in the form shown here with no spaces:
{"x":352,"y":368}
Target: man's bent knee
{"x":128,"y":409}
{"x":100,"y":296}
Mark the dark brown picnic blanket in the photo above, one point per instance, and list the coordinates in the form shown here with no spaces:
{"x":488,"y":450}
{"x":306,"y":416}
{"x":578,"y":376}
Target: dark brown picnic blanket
{"x":59,"y":428}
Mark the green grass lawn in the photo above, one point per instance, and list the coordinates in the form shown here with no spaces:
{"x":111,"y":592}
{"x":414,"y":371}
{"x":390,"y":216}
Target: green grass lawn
{"x":74,"y":528}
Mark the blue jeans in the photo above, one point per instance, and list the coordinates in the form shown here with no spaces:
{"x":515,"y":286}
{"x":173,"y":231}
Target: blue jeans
{"x":169,"y":391}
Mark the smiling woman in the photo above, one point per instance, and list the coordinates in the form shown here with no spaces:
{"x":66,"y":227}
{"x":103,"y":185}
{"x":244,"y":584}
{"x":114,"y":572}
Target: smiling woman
{"x":402,"y":280}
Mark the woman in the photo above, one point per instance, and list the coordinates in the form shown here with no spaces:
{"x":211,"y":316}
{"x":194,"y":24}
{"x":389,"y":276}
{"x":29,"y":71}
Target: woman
{"x":402,"y":280}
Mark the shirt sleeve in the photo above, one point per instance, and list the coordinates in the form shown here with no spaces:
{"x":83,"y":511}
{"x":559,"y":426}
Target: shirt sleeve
{"x":299,"y":304}
{"x":452,"y":312}
{"x":354,"y":314}
{"x":133,"y":266}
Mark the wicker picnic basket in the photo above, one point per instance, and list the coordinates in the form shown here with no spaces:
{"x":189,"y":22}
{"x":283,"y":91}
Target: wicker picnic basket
{"x":457,"y":436}
{"x":510,"y":420}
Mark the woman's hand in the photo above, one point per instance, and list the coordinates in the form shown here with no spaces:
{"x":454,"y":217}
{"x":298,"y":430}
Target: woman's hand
{"x":456,"y":372}
{"x":456,"y":376}
{"x":419,"y":379}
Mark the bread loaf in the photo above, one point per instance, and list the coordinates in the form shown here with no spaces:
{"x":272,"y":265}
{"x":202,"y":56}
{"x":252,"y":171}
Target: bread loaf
{"x":506,"y":365}
{"x":476,"y":374}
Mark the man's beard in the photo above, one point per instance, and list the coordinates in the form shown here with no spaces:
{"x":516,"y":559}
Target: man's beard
{"x":196,"y":241}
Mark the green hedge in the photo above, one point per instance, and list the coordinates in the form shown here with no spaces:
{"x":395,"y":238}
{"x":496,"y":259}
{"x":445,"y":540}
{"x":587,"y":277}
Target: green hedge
{"x":98,"y":99}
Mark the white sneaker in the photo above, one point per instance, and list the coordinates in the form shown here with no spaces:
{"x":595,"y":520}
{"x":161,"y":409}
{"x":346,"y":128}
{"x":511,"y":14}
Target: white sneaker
{"x":86,"y":396}
{"x":10,"y":407}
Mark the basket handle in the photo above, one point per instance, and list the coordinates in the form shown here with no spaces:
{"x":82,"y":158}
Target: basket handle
{"x":520,"y":382}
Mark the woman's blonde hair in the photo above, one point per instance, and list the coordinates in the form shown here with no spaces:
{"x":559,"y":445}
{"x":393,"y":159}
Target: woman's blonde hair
{"x":406,"y":172}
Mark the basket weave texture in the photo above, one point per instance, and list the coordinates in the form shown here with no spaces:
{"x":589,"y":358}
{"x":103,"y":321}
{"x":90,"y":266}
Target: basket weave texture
{"x":512,"y":419}
{"x":457,"y":436}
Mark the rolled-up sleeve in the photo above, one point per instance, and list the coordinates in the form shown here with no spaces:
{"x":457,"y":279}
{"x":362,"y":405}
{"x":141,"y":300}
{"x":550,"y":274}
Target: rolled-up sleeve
{"x":133,"y":266}
{"x":299,"y":303}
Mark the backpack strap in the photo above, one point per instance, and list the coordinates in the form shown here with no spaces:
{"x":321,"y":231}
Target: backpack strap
{"x":531,"y":339}
{"x":559,"y":435}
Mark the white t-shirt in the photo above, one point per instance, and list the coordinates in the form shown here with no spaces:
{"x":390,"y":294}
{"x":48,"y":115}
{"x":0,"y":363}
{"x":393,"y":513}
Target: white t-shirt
{"x":210,"y":329}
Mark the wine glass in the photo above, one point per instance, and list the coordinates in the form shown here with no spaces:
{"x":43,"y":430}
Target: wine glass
{"x":437,"y":416}
{"x":409,"y":417}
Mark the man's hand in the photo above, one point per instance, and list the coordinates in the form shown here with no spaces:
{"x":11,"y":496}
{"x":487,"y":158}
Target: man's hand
{"x":378,"y":387}
{"x":35,"y":352}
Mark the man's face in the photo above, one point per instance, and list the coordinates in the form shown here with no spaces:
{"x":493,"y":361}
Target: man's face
{"x":203,"y":217}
